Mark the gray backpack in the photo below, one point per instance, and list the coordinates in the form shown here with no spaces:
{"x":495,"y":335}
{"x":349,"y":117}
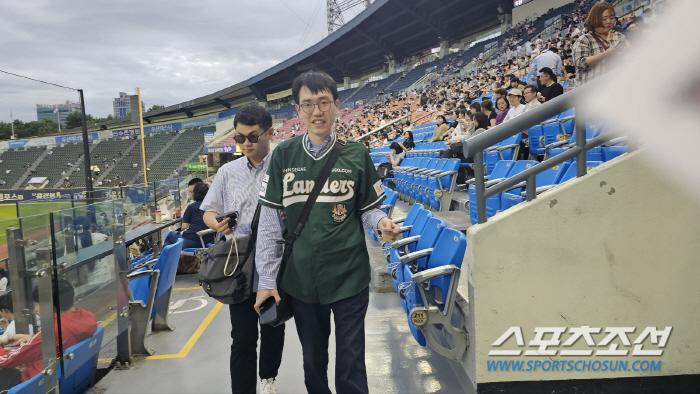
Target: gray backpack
{"x":227,"y":271}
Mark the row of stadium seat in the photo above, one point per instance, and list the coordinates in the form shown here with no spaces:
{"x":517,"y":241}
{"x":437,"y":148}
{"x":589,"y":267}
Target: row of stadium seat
{"x":425,"y":267}
{"x":505,"y":169}
{"x":427,"y":181}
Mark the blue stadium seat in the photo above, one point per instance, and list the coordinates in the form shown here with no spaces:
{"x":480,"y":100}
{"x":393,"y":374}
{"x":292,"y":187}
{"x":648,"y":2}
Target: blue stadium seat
{"x":148,"y":289}
{"x":437,"y":287}
{"x":493,"y":203}
{"x":78,"y":372}
{"x":500,"y":171}
{"x":551,"y":176}
{"x":441,"y":186}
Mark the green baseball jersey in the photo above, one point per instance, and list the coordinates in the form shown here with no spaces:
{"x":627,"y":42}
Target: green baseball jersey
{"x":329,"y":260}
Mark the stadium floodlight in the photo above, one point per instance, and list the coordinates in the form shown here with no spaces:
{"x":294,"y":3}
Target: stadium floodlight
{"x":336,"y":8}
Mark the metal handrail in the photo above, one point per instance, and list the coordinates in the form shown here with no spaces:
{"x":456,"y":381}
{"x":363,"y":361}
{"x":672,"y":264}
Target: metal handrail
{"x":474,"y":147}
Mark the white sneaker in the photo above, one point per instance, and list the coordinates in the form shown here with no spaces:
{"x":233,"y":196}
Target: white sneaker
{"x":267,"y":386}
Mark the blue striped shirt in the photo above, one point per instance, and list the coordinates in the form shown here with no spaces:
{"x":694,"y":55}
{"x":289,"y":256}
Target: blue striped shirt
{"x":235,"y":188}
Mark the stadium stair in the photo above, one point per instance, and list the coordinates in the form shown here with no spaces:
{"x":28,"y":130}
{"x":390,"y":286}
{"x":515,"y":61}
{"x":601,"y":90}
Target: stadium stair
{"x":25,"y":176}
{"x":114,"y":146}
{"x":52,"y":163}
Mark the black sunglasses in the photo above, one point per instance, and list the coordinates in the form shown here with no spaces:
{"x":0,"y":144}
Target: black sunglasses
{"x":240,"y":138}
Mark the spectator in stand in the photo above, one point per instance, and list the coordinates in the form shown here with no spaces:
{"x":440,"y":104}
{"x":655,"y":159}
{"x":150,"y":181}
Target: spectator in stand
{"x":551,"y":89}
{"x":514,"y":98}
{"x":497,"y":94}
{"x":489,"y":111}
{"x":193,"y":219}
{"x":7,"y":316}
{"x":76,"y":325}
{"x":408,"y":143}
{"x":3,"y":280}
{"x":191,"y":185}
{"x":550,"y":59}
{"x":503,"y":106}
{"x":396,"y":155}
{"x":593,"y":49}
{"x":474,"y":108}
{"x":440,"y":128}
{"x":530,"y":95}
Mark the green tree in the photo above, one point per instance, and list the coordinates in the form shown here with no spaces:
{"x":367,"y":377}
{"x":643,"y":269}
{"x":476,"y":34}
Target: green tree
{"x":155,"y":107}
{"x":75,"y":119}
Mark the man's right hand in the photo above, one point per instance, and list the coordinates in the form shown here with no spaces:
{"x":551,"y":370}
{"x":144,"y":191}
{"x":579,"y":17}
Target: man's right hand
{"x":223,"y":228}
{"x":264,"y":295}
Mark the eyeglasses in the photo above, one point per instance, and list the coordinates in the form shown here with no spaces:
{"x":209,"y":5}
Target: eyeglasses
{"x":322,"y":105}
{"x":240,"y":138}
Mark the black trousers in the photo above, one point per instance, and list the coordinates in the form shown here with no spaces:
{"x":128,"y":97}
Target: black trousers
{"x":9,"y":378}
{"x":244,"y":332}
{"x":313,"y":323}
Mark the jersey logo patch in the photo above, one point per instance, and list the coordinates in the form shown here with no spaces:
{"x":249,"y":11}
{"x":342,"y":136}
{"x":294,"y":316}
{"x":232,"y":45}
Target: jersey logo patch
{"x":379,"y":188}
{"x":340,"y":213}
{"x":263,"y":189}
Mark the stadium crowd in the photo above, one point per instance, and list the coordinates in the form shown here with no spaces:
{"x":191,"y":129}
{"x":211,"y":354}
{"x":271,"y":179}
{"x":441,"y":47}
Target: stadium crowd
{"x":574,"y":55}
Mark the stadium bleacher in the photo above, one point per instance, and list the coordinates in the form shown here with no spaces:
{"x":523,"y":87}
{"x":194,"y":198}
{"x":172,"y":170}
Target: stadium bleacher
{"x":55,"y":162}
{"x":15,"y":162}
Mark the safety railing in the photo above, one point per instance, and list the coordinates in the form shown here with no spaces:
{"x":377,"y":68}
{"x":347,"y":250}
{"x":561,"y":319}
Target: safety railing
{"x":475,"y":147}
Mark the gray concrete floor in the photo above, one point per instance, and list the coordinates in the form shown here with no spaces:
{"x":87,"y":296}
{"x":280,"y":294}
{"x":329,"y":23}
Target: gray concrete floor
{"x":395,"y":362}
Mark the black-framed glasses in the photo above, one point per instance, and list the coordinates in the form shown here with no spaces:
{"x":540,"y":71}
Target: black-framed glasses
{"x":240,"y":138}
{"x":322,"y":105}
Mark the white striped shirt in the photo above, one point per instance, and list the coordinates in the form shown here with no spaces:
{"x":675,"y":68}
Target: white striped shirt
{"x":235,"y":188}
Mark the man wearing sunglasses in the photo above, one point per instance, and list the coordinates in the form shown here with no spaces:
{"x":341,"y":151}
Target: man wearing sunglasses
{"x":329,"y":270}
{"x":235,"y":188}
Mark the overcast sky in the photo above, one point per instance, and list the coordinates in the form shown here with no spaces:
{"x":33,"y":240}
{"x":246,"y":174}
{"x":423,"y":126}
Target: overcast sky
{"x":173,"y":50}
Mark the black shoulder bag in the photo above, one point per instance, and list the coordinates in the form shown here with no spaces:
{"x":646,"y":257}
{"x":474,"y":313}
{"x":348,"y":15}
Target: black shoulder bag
{"x":227,"y":277}
{"x":270,"y":312}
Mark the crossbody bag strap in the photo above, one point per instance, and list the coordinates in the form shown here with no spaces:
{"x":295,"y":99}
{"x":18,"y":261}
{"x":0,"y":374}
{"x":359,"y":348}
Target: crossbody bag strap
{"x":320,"y":181}
{"x":600,"y":41}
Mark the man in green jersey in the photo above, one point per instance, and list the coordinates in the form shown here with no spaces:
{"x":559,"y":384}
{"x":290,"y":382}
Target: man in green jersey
{"x":329,"y":268}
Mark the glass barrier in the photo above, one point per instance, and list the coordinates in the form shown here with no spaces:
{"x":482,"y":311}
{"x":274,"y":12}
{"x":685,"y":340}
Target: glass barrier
{"x":139,"y":205}
{"x":28,"y":244}
{"x":88,"y":239}
{"x":168,"y":198}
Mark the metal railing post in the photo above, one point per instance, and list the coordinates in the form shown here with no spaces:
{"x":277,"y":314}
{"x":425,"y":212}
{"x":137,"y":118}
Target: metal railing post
{"x":480,"y":186}
{"x":531,"y":187}
{"x":121,"y":268}
{"x":580,"y":125}
{"x":17,"y":266}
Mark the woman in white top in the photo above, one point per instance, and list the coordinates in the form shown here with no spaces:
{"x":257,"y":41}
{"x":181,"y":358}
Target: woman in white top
{"x":3,"y":280}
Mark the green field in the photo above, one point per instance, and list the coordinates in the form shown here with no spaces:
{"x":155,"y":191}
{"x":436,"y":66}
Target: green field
{"x":8,"y":216}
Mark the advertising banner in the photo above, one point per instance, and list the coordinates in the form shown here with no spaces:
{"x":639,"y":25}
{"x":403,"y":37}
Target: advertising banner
{"x":196,"y":167}
{"x":209,"y":137}
{"x":219,"y":149}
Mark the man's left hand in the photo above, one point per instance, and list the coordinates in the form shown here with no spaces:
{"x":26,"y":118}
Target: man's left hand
{"x":389,"y":236}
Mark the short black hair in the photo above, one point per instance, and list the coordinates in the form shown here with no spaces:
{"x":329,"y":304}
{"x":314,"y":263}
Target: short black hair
{"x":548,"y":71}
{"x":487,"y":105}
{"x":476,"y":106}
{"x":554,"y":49}
{"x":63,"y":290}
{"x":194,"y":181}
{"x":316,"y":82}
{"x":253,"y":115}
{"x":533,"y":88}
{"x":482,"y":121}
{"x":6,"y":302}
{"x":200,"y":191}
{"x":396,"y":147}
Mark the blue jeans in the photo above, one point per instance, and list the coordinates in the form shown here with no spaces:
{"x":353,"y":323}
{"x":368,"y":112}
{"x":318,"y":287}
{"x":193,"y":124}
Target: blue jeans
{"x":190,"y":243}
